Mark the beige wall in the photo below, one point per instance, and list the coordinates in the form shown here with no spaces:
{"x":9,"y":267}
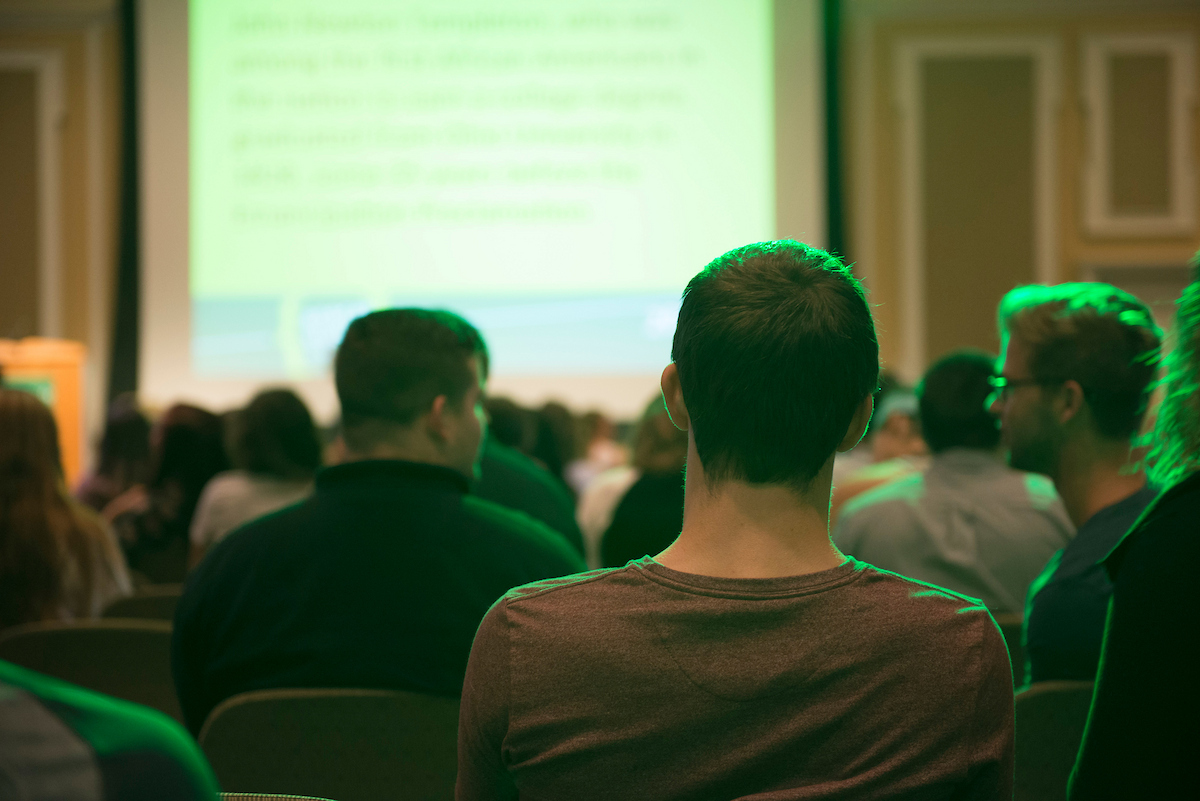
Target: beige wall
{"x":83,"y":35}
{"x":985,"y":197}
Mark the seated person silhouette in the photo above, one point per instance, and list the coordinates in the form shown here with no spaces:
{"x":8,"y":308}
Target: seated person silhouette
{"x":750,"y":659}
{"x":380,"y":578}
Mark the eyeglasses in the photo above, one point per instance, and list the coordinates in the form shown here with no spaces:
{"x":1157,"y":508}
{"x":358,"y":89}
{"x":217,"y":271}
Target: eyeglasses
{"x":1002,"y":385}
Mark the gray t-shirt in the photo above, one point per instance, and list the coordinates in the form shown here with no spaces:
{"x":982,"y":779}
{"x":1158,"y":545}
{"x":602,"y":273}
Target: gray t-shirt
{"x":644,"y":682}
{"x":236,"y":497}
{"x":969,"y":523}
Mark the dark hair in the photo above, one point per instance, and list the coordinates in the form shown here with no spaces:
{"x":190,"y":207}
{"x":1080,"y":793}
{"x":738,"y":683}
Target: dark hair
{"x":952,"y":402}
{"x":1096,"y":334}
{"x":125,"y":445}
{"x":392,"y":364}
{"x":775,"y":349}
{"x":511,"y":424}
{"x":275,"y":436}
{"x":554,"y":443}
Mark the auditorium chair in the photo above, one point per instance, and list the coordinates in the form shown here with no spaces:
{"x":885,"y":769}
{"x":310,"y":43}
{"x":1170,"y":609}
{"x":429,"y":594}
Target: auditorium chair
{"x":269,"y":797}
{"x":347,"y":744}
{"x":129,"y":659}
{"x":1051,"y":716}
{"x":151,"y":602}
{"x":1010,"y":627}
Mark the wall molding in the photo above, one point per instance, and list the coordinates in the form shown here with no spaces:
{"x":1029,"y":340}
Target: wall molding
{"x":47,"y":67}
{"x":908,"y":56}
{"x":1099,"y":217}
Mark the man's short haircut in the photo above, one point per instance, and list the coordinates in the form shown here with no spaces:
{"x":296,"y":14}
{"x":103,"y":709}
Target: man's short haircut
{"x":776,"y":349}
{"x":952,"y":402}
{"x":392,"y":364}
{"x":1096,"y":334}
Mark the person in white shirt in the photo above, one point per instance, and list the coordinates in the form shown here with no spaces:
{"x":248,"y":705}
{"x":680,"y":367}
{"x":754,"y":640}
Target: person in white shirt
{"x":276,"y":452}
{"x":969,"y":522}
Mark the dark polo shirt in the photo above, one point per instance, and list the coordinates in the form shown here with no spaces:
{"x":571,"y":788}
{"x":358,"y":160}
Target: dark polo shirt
{"x":379,"y":579}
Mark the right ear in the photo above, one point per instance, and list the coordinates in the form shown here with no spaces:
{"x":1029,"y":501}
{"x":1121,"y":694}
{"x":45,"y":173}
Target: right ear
{"x":673,"y":396}
{"x":858,"y":424}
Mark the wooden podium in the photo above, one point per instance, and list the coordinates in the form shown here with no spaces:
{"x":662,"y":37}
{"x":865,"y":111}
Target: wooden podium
{"x":52,"y":369}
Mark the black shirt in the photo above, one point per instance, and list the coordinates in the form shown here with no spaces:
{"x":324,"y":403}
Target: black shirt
{"x":379,"y":579}
{"x":1142,"y":737}
{"x":648,"y":518}
{"x":1064,"y":616}
{"x":510,"y":478}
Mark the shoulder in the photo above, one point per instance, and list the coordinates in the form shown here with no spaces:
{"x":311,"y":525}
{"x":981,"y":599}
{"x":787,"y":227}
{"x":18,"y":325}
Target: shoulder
{"x":122,"y":732}
{"x":899,"y":597}
{"x":514,"y":525}
{"x":898,"y":493}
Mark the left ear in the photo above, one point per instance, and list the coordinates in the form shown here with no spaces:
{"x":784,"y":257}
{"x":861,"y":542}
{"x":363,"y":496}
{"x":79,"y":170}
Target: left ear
{"x":1069,"y":402}
{"x":436,"y":422}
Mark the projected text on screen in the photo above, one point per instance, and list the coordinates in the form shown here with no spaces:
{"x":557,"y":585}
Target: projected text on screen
{"x":555,"y":171}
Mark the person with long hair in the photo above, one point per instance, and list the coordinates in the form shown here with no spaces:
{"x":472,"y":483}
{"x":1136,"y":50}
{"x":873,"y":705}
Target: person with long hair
{"x":1141,"y":736}
{"x":124,"y":454}
{"x":57,"y":559}
{"x":152,"y":520}
{"x":275,"y":451}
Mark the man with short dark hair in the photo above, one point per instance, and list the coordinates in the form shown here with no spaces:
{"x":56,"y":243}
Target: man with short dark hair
{"x":381,"y":577}
{"x":968,"y":522}
{"x":1078,"y":360}
{"x":750,"y":659}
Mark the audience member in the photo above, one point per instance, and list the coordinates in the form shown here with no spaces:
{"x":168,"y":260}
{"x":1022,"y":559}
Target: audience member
{"x":597,"y":504}
{"x":58,"y":561}
{"x":601,"y":451}
{"x":511,"y":425}
{"x":275,"y":451}
{"x":380,"y":577}
{"x":968,"y":522}
{"x":1078,"y":359}
{"x":514,"y":480}
{"x":124,"y":458}
{"x":66,"y":743}
{"x":897,"y":450}
{"x":1141,"y":735}
{"x":649,"y":515}
{"x":554,"y":442}
{"x":750,"y":657}
{"x":152,"y":521}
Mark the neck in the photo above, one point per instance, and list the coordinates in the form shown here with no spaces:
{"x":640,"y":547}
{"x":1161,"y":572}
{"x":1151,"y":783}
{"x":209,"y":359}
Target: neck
{"x":740,"y":530}
{"x":1092,"y":475}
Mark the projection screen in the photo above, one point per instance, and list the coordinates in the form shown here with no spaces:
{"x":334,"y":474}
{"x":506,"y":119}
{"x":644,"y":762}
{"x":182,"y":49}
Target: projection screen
{"x":553,"y":170}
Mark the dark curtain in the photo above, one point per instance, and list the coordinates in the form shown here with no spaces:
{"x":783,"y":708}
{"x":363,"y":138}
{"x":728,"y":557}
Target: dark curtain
{"x":833,"y":128}
{"x":123,"y":366}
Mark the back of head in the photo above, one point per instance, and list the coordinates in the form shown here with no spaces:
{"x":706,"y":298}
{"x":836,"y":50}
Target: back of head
{"x":510,"y":424}
{"x":34,"y":515}
{"x":775,"y":349}
{"x":275,"y":436}
{"x":125,"y":446}
{"x":1095,"y":334}
{"x":554,"y":444}
{"x":952,"y":401}
{"x":392,"y":364}
{"x":1176,"y":444}
{"x":188,"y":448}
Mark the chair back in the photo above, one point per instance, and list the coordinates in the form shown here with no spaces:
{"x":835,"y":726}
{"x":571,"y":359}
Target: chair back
{"x":348,"y":744}
{"x":129,"y":659}
{"x":1051,"y":716}
{"x":1010,"y":627}
{"x":152,"y":602}
{"x":268,"y":797}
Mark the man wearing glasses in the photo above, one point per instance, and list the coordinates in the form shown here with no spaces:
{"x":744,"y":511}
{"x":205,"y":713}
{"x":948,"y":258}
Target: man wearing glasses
{"x":1078,"y":360}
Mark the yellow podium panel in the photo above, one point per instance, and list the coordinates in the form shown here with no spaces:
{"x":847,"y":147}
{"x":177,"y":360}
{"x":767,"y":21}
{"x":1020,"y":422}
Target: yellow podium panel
{"x":52,"y":369}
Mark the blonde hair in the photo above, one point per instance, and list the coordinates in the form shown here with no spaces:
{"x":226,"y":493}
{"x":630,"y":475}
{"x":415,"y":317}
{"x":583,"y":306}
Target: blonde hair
{"x":1175,"y":448}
